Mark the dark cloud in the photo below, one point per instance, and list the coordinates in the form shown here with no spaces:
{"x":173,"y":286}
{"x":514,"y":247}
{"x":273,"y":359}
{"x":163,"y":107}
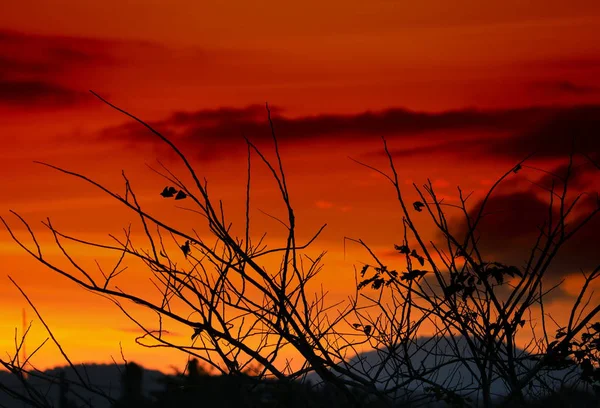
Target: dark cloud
{"x":11,"y":67}
{"x":548,"y":132}
{"x":221,"y":130}
{"x":470,"y":146}
{"x":208,"y":117}
{"x":35,"y":70}
{"x":38,"y":93}
{"x":553,"y":137}
{"x":26,"y":54}
{"x":387,"y":122}
{"x":510,"y":134}
{"x":509,"y":228}
{"x":75,"y":55}
{"x":581,"y":175}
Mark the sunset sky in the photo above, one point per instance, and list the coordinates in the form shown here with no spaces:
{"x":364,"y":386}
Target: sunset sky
{"x":461,"y":90}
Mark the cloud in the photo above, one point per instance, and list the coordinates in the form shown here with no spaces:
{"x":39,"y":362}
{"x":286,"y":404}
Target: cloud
{"x":9,"y":67}
{"x":453,"y":146}
{"x":509,"y":229}
{"x":548,"y":135}
{"x":552,"y":137}
{"x":221,"y":131}
{"x":548,"y":132}
{"x":509,"y":134}
{"x":38,"y":70}
{"x":36,"y":54}
{"x":580,"y":176}
{"x":386,"y":122}
{"x":38,"y":93}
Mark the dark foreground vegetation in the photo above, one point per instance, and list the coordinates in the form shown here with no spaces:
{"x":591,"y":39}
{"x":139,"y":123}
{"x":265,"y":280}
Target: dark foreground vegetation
{"x":132,"y":386}
{"x":240,"y":315}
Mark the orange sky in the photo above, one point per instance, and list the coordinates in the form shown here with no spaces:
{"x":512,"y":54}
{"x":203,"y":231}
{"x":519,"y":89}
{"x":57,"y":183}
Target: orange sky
{"x":461,"y":90}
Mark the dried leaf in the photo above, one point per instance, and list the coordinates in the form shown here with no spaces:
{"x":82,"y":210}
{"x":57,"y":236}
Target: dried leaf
{"x":197,"y":331}
{"x":363,"y":270}
{"x":403,"y":249}
{"x":186,"y":248}
{"x":168,"y":192}
{"x":418,"y":206}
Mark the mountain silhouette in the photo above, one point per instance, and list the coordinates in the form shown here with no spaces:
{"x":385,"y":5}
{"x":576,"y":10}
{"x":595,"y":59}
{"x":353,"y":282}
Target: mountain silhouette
{"x":426,"y":354}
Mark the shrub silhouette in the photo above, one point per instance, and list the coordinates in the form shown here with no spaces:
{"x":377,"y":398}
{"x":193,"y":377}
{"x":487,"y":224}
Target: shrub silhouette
{"x":199,"y":388}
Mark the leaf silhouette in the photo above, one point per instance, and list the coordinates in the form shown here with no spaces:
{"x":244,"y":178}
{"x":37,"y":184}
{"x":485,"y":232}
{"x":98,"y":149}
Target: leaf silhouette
{"x":497,"y":274}
{"x":368,"y":329}
{"x":418,"y":206}
{"x":403,"y":249}
{"x":498,"y":271}
{"x":168,"y":192}
{"x":197,"y":331}
{"x":377,"y":283}
{"x":365,"y":282}
{"x":418,"y":257}
{"x":186,"y":248}
{"x":513,"y":270}
{"x":180,"y":195}
{"x":364,"y":270}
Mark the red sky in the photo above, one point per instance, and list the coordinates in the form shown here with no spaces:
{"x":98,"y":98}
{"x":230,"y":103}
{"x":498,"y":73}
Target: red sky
{"x":461,"y":90}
